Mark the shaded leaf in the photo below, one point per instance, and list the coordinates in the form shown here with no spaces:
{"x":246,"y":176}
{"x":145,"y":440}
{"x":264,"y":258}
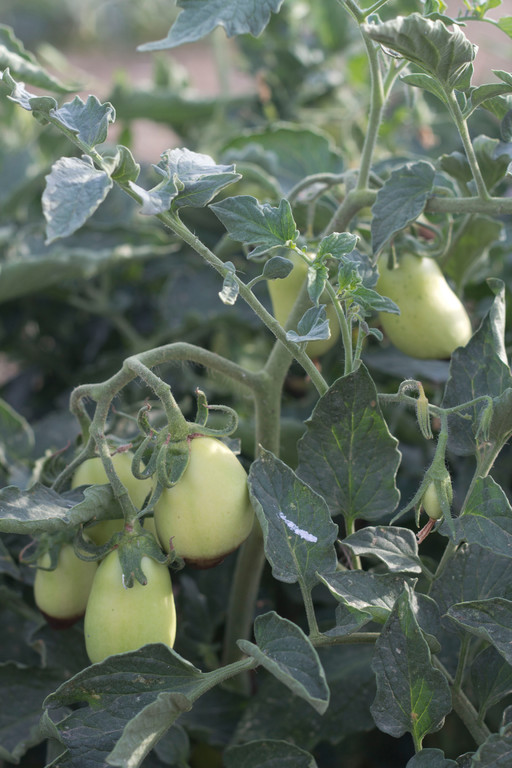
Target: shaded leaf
{"x":277,"y":268}
{"x":480,"y":368}
{"x":412,"y":696}
{"x":430,"y":758}
{"x":268,"y":753}
{"x":312,"y":325}
{"x":347,"y":453}
{"x":396,"y":547}
{"x":23,"y":64}
{"x":257,"y":224}
{"x":487,"y":518}
{"x":426,"y":82}
{"x":496,"y":751}
{"x":400,"y":201}
{"x":373,"y":593}
{"x":488,"y":619}
{"x":491,"y":678}
{"x":285,"y":651}
{"x":199,"y":17}
{"x":469,"y":249}
{"x":298,"y":532}
{"x":74,"y":190}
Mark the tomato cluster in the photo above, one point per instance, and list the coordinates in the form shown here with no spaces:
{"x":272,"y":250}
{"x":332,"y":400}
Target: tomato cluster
{"x":197,"y":518}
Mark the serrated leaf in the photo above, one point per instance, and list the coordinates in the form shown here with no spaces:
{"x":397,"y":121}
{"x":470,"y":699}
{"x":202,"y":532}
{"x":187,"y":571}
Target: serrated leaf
{"x":196,"y":176}
{"x":430,"y":758}
{"x":257,"y":224}
{"x":488,"y":619}
{"x":347,"y":453}
{"x":487,"y":518}
{"x":373,"y":593}
{"x":298,"y":532}
{"x":444,"y":53}
{"x":199,"y":17}
{"x":25,"y":99}
{"x":400,"y":201}
{"x":396,"y":547}
{"x":313,"y":325}
{"x":277,"y":268}
{"x":480,"y":368}
{"x":412,"y":696}
{"x":369,"y":300}
{"x":285,"y":651}
{"x":337,"y":244}
{"x":23,"y":65}
{"x":74,"y":190}
{"x":89,"y":120}
{"x":268,"y":753}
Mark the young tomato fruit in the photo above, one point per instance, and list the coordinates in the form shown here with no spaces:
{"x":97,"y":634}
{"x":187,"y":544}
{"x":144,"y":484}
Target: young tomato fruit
{"x":118,"y":619}
{"x":208,"y":513}
{"x":433,"y":321}
{"x":61,"y":595}
{"x":283,"y":293}
{"x":92,"y":472}
{"x":431,"y":503}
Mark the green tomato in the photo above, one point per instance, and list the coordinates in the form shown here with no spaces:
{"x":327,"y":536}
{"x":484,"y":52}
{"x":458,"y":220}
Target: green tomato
{"x":118,"y":619}
{"x":61,"y":594}
{"x":432,"y":321}
{"x":208,"y":513}
{"x":92,"y":472}
{"x":283,"y":294}
{"x":431,"y":503}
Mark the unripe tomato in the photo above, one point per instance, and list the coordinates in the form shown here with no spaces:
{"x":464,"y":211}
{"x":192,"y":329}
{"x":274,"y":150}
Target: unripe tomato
{"x":118,"y":619}
{"x":208,"y":513}
{"x":433,"y":321}
{"x":61,"y":595}
{"x":283,"y":294}
{"x":92,"y":472}
{"x":431,"y":503}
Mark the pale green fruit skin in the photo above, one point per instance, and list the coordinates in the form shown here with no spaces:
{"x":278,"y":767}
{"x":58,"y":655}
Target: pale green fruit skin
{"x":92,"y":472}
{"x":119,"y":619}
{"x":431,"y":503}
{"x":208,"y":513}
{"x":433,"y":321}
{"x":63,"y":593}
{"x":283,"y":294}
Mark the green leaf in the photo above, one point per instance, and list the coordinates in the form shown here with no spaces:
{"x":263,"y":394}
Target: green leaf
{"x":256,"y":224}
{"x":496,"y":751}
{"x":16,"y":435}
{"x":480,"y":368}
{"x":492,"y":162}
{"x":370,"y":301}
{"x":347,"y":453}
{"x":373,"y":593}
{"x":40,"y":105}
{"x":396,"y":547}
{"x":271,"y":713}
{"x":277,"y":268}
{"x":298,"y":532}
{"x":443,"y":53}
{"x":473,"y":573}
{"x":125,"y":169}
{"x":199,"y":17}
{"x":487,"y":518}
{"x":25,"y":688}
{"x":24,"y":65}
{"x":89,"y":120}
{"x":489,"y":619}
{"x":468,"y":251}
{"x":124,"y":699}
{"x":197,"y":177}
{"x":337,"y":244}
{"x":479,"y":95}
{"x":430,"y":758}
{"x":268,"y":753}
{"x":505,"y":24}
{"x":456,"y":165}
{"x":400,"y":201}
{"x":74,"y":190}
{"x":313,"y":325}
{"x":285,"y":651}
{"x":412,"y":696}
{"x":290,"y":152}
{"x":426,"y":82}
{"x":491,"y":678}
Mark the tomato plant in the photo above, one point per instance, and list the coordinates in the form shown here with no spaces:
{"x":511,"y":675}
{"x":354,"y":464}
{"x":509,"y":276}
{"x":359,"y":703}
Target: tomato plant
{"x":112,"y":618}
{"x":208,"y":513}
{"x":166,"y":307}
